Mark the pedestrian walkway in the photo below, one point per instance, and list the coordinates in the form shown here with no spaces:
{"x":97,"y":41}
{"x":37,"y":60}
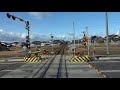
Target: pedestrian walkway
{"x":82,"y":70}
{"x":22,"y":71}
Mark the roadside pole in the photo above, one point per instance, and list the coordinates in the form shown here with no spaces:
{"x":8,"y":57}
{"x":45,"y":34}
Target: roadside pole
{"x":94,"y":48}
{"x":87,"y":41}
{"x":107,"y":39}
{"x":52,"y":43}
{"x":74,"y":38}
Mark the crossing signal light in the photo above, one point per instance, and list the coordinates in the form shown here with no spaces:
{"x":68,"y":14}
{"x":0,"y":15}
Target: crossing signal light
{"x":85,"y":43}
{"x":84,"y":34}
{"x":28,"y":45}
{"x":8,"y":15}
{"x":85,"y":39}
{"x":27,"y":23}
{"x":51,"y":36}
{"x":13,"y":17}
{"x":27,"y":37}
{"x":27,"y":41}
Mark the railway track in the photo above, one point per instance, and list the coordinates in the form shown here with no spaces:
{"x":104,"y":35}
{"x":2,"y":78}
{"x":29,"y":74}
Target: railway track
{"x":57,"y":60}
{"x":9,"y":66}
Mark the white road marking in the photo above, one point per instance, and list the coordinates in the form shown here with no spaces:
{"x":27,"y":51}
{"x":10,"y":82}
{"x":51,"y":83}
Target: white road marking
{"x":102,"y":61}
{"x":12,"y":60}
{"x":109,"y":70}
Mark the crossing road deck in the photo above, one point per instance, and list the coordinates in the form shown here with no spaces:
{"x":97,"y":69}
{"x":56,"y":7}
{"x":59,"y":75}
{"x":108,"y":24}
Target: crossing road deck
{"x":110,"y":68}
{"x":74,"y":70}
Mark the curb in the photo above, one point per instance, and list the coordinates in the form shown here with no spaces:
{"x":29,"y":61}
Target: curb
{"x":98,"y":71}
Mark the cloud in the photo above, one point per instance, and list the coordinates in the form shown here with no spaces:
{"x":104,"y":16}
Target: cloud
{"x":118,"y":32}
{"x":38,"y":15}
{"x":10,"y":36}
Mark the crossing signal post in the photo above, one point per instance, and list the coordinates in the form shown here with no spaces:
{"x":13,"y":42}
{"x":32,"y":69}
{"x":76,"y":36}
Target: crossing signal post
{"x":28,"y":36}
{"x":8,"y":15}
{"x":27,"y":42}
{"x":27,"y":28}
{"x":85,"y":42}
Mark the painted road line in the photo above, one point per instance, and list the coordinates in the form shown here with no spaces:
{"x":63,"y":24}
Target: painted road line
{"x":97,"y":61}
{"x":110,"y":70}
{"x":107,"y":58}
{"x":98,"y":71}
{"x":11,"y":60}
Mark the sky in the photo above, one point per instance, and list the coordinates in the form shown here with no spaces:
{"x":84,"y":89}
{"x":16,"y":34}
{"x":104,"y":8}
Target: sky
{"x":59,"y":24}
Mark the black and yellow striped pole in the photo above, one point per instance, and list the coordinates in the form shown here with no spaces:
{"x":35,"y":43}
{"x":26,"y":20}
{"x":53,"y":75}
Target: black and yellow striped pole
{"x":28,"y":36}
{"x":85,"y":43}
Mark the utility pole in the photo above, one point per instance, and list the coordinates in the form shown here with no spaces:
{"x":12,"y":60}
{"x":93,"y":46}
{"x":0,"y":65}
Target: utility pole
{"x":107,"y":39}
{"x":119,"y":33}
{"x":70,"y":44}
{"x":74,"y":37}
{"x":87,"y":41}
{"x":68,"y":41}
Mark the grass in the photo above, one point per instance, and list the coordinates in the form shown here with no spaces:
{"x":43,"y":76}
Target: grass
{"x":101,"y":50}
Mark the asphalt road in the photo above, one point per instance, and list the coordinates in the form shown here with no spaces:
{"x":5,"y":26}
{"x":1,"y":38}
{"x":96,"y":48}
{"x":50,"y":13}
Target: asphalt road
{"x":6,"y":67}
{"x":32,"y":70}
{"x":110,"y":68}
